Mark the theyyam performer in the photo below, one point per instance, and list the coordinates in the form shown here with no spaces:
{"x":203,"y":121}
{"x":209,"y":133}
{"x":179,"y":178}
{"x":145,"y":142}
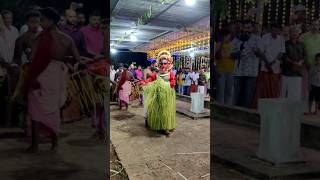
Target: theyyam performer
{"x":160,"y":96}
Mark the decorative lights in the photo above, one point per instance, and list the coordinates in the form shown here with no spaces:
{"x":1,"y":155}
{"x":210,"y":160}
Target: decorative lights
{"x":113,"y":51}
{"x":277,"y":11}
{"x":190,"y":2}
{"x":133,"y":38}
{"x":237,"y":9}
{"x":284,"y":10}
{"x":269,"y":11}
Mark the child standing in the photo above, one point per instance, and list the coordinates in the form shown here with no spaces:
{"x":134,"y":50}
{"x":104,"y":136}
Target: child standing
{"x":315,"y":84}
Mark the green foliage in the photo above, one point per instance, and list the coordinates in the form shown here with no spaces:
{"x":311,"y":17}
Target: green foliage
{"x":161,"y":102}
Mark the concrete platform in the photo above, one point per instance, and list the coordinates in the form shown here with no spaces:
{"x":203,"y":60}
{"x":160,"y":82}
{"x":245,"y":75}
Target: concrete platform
{"x":310,"y":127}
{"x":188,"y":99}
{"x":236,"y":147}
{"x":194,"y":116}
{"x":183,"y":107}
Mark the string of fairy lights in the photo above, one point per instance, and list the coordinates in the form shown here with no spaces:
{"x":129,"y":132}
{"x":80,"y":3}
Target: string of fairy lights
{"x":273,"y":11}
{"x":193,"y":43}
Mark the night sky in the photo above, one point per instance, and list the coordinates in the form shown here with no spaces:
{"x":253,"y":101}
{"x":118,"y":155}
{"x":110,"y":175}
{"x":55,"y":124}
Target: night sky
{"x":20,"y":7}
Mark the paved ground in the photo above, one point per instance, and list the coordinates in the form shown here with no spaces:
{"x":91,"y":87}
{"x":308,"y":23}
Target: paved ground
{"x":78,"y":157}
{"x":221,"y":172}
{"x":238,"y":144}
{"x":147,"y":155}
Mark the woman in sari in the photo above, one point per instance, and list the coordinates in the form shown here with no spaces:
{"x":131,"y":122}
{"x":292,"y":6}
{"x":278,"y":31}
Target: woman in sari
{"x":124,"y":89}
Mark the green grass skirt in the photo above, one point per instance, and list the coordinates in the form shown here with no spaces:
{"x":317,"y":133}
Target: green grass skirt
{"x":161,"y":105}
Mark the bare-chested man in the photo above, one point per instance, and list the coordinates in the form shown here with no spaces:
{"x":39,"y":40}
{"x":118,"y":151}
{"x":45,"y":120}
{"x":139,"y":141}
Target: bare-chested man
{"x":46,"y":78}
{"x":149,"y":73}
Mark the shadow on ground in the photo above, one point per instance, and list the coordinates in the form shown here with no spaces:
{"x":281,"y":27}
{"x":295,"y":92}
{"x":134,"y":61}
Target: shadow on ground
{"x":61,"y":170}
{"x":121,"y":117}
{"x":12,"y":135}
{"x":84,"y":142}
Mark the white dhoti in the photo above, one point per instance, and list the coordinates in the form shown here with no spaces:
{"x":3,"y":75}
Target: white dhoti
{"x":201,"y":89}
{"x":291,"y":87}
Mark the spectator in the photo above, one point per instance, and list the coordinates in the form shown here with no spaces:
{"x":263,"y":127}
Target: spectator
{"x":93,"y":35}
{"x":195,"y":77}
{"x":207,"y":74}
{"x":292,"y":67}
{"x":71,"y":29}
{"x":272,"y":47}
{"x":244,"y":49}
{"x":139,"y":73}
{"x":2,"y":42}
{"x":112,"y":83}
{"x":314,"y":94}
{"x":181,"y":82}
{"x":11,"y":34}
{"x":25,"y":27}
{"x":62,"y":21}
{"x":202,"y":82}
{"x":132,"y":71}
{"x":112,"y":74}
{"x":194,"y":81}
{"x":225,"y":68}
{"x":311,"y":41}
{"x":188,"y":82}
{"x":75,"y":6}
{"x":82,"y":20}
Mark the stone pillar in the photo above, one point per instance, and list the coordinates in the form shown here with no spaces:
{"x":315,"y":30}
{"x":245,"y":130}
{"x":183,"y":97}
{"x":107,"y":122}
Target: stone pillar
{"x":280,"y":130}
{"x":197,"y":102}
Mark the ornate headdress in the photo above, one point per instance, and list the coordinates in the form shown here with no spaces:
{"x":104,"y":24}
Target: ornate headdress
{"x":165,"y":55}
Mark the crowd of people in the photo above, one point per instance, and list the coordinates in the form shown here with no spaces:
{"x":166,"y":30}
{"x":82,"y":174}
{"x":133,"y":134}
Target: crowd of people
{"x":276,"y":62}
{"x":187,"y":81}
{"x":47,"y":50}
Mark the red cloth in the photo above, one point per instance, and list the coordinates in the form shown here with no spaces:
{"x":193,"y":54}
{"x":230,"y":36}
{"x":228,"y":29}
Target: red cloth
{"x":172,"y":80}
{"x":151,"y":78}
{"x":123,"y":79}
{"x":41,"y":59}
{"x":193,"y":88}
{"x":268,"y":86}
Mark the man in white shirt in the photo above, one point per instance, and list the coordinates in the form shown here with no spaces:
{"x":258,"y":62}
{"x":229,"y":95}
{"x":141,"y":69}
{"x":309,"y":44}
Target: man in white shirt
{"x":194,"y":77}
{"x":112,"y":74}
{"x":272,"y":47}
{"x":112,"y":83}
{"x":11,"y":34}
{"x":244,"y":50}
